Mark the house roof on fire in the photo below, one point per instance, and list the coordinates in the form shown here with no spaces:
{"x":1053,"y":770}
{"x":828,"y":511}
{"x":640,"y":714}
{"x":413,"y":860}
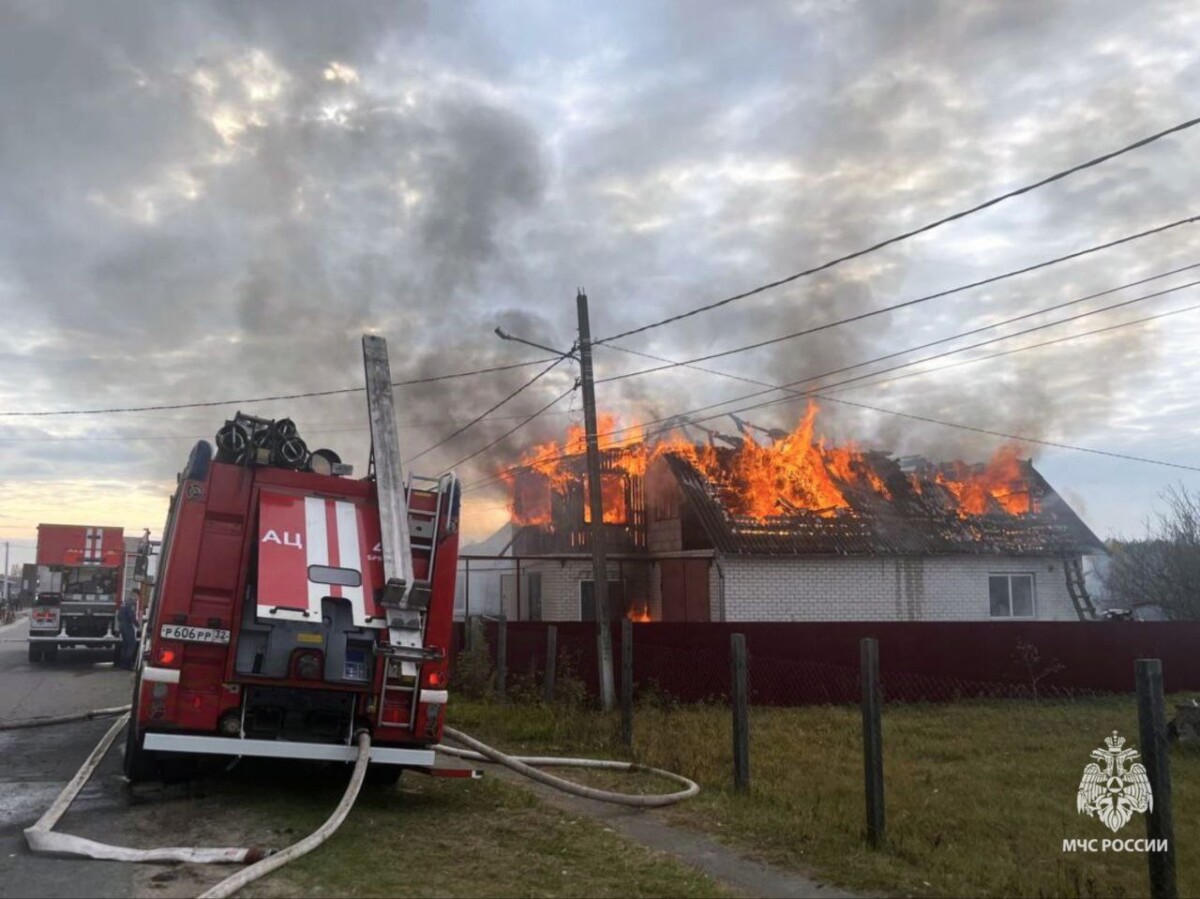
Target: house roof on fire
{"x":918,"y":518}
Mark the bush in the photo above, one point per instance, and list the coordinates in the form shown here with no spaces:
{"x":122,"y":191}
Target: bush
{"x":474,"y":674}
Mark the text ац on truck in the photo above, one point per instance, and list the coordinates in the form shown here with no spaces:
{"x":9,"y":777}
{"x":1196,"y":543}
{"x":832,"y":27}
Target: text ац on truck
{"x":296,"y":606}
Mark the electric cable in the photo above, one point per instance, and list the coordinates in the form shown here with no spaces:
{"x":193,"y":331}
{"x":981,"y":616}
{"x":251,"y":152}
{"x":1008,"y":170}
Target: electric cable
{"x":478,"y":418}
{"x":790,"y":385}
{"x":690,"y":415}
{"x":850,"y":384}
{"x":862,"y":316}
{"x":1182,"y":126}
{"x":515,"y":428}
{"x":265,"y":399}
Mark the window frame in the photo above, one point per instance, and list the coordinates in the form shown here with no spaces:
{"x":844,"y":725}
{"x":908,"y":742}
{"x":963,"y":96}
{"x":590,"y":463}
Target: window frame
{"x":1008,"y":577}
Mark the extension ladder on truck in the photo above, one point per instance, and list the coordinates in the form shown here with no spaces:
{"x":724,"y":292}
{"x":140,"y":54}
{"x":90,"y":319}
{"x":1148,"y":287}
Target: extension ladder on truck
{"x":409,"y":521}
{"x":406,"y":651}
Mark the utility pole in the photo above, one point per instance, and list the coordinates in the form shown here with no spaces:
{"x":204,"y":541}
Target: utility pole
{"x":6,"y":571}
{"x":596,"y":504}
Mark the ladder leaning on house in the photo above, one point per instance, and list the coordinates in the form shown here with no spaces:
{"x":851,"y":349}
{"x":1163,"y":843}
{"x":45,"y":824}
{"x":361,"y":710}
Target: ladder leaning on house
{"x":1077,"y":587}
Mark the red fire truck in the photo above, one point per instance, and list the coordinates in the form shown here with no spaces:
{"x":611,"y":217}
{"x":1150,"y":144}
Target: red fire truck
{"x":76,"y":589}
{"x":295,"y":606}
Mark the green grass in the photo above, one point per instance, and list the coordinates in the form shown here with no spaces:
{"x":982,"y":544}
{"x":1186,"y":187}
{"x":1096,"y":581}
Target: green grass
{"x":430,"y":837}
{"x":979,"y":795}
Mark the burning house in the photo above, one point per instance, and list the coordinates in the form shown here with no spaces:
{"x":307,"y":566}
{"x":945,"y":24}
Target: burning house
{"x":796,"y":530}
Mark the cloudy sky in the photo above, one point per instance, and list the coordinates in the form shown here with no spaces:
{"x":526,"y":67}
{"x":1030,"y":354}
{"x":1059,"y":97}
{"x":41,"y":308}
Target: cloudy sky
{"x":211,"y":200}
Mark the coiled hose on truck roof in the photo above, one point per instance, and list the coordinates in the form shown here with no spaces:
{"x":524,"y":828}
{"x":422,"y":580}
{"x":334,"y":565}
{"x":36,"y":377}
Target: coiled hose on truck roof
{"x":41,"y":837}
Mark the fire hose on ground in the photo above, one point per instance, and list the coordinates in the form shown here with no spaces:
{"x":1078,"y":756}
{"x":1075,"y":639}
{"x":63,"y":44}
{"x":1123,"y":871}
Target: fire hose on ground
{"x":41,"y":837}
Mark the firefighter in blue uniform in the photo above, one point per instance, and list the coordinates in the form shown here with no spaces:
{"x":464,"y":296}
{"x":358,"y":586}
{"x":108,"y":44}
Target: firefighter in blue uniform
{"x":127,"y":627}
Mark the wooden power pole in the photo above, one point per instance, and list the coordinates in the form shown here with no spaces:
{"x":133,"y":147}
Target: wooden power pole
{"x":596,"y":505}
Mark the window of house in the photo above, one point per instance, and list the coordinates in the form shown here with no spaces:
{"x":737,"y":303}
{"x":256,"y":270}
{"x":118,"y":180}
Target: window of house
{"x":587,"y":600}
{"x":1011,"y":595}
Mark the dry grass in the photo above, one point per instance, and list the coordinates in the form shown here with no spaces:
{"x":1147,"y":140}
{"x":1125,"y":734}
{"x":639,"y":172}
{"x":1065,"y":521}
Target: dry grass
{"x":431,"y":837}
{"x":979,"y":795}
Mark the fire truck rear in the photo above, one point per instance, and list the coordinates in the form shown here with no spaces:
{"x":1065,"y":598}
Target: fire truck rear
{"x":296,"y":606}
{"x":76,"y":589}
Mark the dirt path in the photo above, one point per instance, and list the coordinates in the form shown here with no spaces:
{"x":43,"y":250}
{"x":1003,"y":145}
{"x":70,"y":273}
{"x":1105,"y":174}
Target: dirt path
{"x":700,"y":852}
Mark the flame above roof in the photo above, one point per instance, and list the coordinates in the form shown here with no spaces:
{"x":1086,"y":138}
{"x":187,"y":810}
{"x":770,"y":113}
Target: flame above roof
{"x":917,"y":513}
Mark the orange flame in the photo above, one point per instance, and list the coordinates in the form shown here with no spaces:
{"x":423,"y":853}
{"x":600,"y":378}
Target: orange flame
{"x":641,"y":615}
{"x":1001,"y":480}
{"x":798,"y":473}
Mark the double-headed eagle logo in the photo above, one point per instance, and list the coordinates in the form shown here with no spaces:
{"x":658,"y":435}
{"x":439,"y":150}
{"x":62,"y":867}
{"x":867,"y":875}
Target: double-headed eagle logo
{"x":1111,"y":791}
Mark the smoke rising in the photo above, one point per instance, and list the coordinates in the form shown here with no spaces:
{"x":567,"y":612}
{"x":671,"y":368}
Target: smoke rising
{"x":209,"y":199}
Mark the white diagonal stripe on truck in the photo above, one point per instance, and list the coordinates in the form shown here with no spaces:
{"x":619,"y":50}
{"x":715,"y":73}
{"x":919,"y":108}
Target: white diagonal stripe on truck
{"x":316,"y":544}
{"x":350,"y":556}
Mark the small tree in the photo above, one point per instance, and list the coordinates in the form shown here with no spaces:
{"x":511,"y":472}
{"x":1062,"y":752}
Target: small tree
{"x":1162,"y":569}
{"x":1031,"y":658}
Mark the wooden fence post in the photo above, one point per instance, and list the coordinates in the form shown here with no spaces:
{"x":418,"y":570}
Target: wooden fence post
{"x":1156,"y":756}
{"x":501,"y":654}
{"x":872,"y":739}
{"x":627,"y":681}
{"x":741,"y":713}
{"x":551,"y":662}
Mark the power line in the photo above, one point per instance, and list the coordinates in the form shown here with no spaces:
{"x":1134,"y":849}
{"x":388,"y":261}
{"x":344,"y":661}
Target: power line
{"x":846,"y":385}
{"x":515,"y":428}
{"x":339,"y":429}
{"x":912,"y":233}
{"x":481,"y":416}
{"x":990,"y":341}
{"x":912,"y":349}
{"x":1018,"y":437}
{"x":689,"y":416}
{"x":264,"y":399}
{"x":903,"y":305}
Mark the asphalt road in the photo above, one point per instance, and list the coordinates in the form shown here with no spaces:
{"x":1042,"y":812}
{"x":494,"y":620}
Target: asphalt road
{"x":35,"y":764}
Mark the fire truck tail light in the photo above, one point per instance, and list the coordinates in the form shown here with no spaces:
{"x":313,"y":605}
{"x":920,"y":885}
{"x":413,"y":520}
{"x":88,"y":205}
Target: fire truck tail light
{"x":166,"y":657}
{"x":436,"y":679}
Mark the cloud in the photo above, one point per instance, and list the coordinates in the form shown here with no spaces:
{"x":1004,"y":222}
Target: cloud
{"x":210,"y":199}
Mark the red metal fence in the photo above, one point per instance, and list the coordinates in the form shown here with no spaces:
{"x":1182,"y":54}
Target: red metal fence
{"x":797,"y":663}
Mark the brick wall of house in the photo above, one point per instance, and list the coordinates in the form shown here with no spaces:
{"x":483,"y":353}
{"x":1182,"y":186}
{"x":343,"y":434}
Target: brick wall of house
{"x":560,"y":584}
{"x":951,"y":588}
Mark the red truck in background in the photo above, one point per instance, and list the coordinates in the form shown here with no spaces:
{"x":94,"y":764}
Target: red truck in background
{"x":78,"y":589}
{"x":295,"y":606}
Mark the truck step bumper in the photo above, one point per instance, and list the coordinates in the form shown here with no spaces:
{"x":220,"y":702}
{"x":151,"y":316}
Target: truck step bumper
{"x":63,"y":638}
{"x":285,"y":749}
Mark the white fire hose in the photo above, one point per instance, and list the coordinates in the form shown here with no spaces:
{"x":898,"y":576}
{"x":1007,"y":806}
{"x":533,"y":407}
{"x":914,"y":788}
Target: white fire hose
{"x":42,"y":837}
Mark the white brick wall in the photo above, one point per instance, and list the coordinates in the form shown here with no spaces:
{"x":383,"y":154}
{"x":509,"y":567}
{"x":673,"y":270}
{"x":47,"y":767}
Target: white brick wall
{"x":950,"y":588}
{"x":560,"y":584}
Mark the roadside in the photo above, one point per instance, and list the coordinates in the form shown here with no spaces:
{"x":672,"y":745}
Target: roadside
{"x":39,"y":762}
{"x":424,"y":837}
{"x":979,"y":795}
{"x":647,"y":828}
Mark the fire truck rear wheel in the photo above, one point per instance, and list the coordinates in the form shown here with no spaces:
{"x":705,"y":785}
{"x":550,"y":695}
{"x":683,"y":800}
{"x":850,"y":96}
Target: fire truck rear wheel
{"x":139,"y":764}
{"x":383,"y":775}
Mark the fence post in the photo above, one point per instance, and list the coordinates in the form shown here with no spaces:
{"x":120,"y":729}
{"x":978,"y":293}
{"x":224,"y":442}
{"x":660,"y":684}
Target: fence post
{"x":501,"y":654}
{"x":1160,"y":825}
{"x":551,"y":661}
{"x":741,"y":713}
{"x":872,"y":739}
{"x":627,"y":681}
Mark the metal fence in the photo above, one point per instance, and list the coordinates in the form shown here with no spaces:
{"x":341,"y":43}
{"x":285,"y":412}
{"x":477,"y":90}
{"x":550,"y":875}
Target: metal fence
{"x":812,"y":663}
